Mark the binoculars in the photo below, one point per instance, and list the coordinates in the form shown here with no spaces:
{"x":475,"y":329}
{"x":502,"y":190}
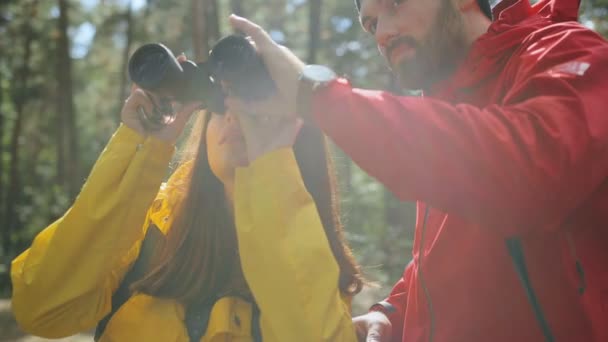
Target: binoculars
{"x":233,"y":68}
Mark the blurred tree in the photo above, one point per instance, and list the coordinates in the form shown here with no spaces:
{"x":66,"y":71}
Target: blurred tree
{"x":314,"y":29}
{"x":2,"y":124}
{"x":205,"y":25}
{"x":199,"y":31}
{"x":595,"y":15}
{"x":19,"y":99}
{"x":122,"y":90}
{"x":68,"y":167}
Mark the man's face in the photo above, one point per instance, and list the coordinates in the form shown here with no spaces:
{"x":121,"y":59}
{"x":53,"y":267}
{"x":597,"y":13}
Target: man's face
{"x":422,"y":40}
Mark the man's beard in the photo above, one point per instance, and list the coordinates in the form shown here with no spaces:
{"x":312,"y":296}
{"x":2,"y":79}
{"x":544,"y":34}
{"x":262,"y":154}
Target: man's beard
{"x":438,"y":55}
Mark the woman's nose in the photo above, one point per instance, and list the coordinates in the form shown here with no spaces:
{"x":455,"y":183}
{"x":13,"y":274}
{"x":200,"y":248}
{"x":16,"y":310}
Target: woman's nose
{"x":230,"y":117}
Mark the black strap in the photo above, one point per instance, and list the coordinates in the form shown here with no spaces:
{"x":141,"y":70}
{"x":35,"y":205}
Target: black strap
{"x":122,"y":294}
{"x":197,"y":316}
{"x":519,"y":261}
{"x":256,"y":331}
{"x":197,"y":320}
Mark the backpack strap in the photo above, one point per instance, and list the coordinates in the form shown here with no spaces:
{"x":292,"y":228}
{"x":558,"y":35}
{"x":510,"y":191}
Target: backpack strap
{"x":197,"y":319}
{"x":123,"y":293}
{"x":256,"y":331}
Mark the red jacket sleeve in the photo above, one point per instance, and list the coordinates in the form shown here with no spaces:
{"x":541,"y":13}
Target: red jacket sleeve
{"x":398,"y":299}
{"x":525,"y":163}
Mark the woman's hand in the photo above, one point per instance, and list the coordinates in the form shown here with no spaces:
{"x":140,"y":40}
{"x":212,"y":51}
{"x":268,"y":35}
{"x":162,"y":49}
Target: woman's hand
{"x":267,"y":133}
{"x":139,"y":99}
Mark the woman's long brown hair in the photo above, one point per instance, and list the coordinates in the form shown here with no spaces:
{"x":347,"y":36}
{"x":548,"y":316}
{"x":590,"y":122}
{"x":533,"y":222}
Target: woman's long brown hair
{"x":199,"y":258}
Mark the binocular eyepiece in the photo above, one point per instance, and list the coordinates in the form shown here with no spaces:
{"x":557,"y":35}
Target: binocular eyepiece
{"x":233,"y":68}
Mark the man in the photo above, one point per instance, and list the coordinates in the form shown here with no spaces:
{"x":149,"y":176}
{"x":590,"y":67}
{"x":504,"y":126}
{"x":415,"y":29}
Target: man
{"x":507,"y":154}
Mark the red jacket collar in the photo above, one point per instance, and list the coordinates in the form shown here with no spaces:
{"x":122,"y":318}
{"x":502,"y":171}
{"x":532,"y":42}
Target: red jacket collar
{"x":514,"y":20}
{"x":514,"y":11}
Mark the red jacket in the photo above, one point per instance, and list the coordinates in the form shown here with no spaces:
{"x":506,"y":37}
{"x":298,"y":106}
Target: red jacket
{"x":509,"y":160}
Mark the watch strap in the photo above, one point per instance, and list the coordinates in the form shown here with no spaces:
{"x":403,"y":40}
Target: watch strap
{"x":384,"y":307}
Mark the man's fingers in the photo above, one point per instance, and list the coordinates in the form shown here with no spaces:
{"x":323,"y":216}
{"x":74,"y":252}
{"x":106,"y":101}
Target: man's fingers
{"x":134,"y":87}
{"x":251,"y":41}
{"x":259,"y":36}
{"x":360,"y":329}
{"x":374,"y":335}
{"x":246,"y":26}
{"x":372,"y":327}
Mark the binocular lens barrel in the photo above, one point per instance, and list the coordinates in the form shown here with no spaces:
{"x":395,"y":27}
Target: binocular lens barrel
{"x":233,"y":65}
{"x":153,"y":67}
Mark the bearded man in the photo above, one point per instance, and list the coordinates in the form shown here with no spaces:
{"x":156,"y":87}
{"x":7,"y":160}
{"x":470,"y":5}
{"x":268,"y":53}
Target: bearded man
{"x":506,"y":154}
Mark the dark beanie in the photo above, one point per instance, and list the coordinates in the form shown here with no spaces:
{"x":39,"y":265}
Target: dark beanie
{"x":484,"y":5}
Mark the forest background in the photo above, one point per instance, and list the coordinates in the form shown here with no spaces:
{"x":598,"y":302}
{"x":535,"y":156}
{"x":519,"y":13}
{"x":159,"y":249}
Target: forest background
{"x":63,"y":81}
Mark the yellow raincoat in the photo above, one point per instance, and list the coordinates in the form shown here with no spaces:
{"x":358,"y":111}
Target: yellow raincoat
{"x":63,"y":284}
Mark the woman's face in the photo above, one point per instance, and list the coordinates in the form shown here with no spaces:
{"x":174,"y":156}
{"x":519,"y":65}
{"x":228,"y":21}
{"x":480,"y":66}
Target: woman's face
{"x":226,"y":147}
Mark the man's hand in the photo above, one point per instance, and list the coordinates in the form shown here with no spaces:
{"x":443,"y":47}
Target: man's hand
{"x":373,"y":327}
{"x":284,"y":68}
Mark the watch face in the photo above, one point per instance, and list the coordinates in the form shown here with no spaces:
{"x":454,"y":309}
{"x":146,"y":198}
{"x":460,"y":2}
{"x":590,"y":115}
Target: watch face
{"x":318,"y":73}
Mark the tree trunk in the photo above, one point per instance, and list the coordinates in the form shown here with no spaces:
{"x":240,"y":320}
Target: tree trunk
{"x":65,"y":107}
{"x":314,"y":30}
{"x":199,"y":31}
{"x":2,"y":168}
{"x":13,"y":193}
{"x":213,"y":21}
{"x":205,"y":27}
{"x":122,"y":90}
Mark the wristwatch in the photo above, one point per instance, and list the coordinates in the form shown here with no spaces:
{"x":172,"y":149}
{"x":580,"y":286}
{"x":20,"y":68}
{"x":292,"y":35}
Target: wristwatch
{"x":384,"y":307}
{"x":312,"y":77}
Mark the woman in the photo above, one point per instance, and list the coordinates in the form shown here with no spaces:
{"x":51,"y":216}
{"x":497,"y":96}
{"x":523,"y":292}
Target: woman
{"x":240,"y":235}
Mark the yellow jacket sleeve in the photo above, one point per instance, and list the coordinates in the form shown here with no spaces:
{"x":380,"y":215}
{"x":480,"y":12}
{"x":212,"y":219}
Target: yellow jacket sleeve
{"x":285,"y":254}
{"x":64,"y":282}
